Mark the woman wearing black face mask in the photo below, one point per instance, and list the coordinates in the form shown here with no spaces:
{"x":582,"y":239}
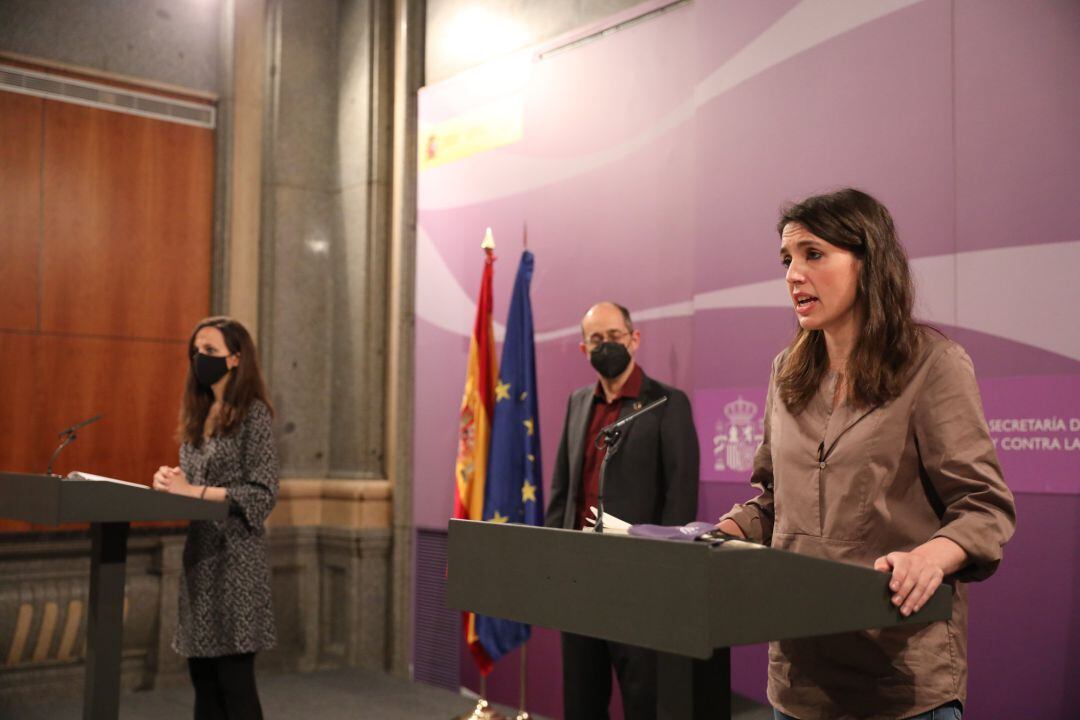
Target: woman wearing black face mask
{"x":227,"y":455}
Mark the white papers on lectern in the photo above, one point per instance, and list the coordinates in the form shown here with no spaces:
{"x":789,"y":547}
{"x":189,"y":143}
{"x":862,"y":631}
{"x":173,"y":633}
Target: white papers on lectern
{"x":101,"y":478}
{"x":612,"y":524}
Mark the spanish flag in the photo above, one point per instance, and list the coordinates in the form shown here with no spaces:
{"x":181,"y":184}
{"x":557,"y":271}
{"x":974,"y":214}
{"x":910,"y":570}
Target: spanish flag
{"x":474,"y":430}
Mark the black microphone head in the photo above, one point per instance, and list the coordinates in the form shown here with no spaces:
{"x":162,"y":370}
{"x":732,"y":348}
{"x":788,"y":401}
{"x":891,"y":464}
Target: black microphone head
{"x":71,"y":430}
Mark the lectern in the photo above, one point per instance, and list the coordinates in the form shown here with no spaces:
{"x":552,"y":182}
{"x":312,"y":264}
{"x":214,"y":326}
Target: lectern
{"x":691,"y":601}
{"x":110,"y":508}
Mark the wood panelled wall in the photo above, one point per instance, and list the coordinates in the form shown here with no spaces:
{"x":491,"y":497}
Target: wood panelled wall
{"x":106,"y":223}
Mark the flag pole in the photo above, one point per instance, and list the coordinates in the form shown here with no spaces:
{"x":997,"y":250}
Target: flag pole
{"x":483,"y":709}
{"x":523,"y":714}
{"x":486,"y":711}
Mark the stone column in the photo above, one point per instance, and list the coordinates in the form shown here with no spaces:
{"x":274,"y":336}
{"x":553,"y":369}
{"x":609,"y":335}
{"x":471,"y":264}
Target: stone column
{"x":324,"y":285}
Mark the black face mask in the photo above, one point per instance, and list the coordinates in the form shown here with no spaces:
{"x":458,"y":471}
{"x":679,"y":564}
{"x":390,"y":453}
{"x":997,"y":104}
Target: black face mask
{"x":208,"y":369}
{"x":610,"y":359}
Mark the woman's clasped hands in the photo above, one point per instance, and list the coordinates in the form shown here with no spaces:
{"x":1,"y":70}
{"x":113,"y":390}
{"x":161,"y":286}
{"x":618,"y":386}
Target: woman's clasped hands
{"x":172,"y":480}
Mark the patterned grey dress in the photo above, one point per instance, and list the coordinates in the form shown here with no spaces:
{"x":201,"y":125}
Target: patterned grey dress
{"x":225,"y":587}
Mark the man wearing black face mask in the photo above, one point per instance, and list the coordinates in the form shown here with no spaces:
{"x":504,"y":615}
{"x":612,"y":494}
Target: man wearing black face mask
{"x":652,"y":479}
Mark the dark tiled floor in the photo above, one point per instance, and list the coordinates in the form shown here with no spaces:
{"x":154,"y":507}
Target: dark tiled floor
{"x":328,"y":695}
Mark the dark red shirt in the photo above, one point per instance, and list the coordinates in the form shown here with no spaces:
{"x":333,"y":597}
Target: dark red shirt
{"x":603,"y":413}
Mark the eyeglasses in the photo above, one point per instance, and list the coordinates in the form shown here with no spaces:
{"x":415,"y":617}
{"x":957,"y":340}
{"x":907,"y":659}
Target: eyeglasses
{"x":597,"y":339}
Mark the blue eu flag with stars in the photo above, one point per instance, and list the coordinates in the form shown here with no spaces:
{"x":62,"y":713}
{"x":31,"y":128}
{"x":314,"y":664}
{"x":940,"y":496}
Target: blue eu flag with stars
{"x":513,"y":492}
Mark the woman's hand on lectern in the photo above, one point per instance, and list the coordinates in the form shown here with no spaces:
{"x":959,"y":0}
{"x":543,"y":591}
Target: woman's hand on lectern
{"x":917,"y":574}
{"x":730,"y":527}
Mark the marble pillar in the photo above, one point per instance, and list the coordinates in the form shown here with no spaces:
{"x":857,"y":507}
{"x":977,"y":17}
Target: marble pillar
{"x":326,"y":201}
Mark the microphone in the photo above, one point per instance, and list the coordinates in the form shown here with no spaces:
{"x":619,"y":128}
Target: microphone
{"x":67,"y":437}
{"x":610,"y":436}
{"x":78,"y":426}
{"x":611,"y":432}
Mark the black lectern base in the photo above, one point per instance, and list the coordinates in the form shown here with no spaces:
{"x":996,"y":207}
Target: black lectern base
{"x":690,"y":689}
{"x":105,"y":620}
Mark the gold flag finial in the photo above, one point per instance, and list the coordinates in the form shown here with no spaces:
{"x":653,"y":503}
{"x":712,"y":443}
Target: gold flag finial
{"x":489,"y":241}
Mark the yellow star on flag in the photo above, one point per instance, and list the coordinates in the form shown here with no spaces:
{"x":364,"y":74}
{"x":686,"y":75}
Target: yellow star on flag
{"x":522,"y":397}
{"x":498,"y":518}
{"x":502,"y":391}
{"x":528,"y":492}
{"x":528,"y":425}
{"x":532,"y":458}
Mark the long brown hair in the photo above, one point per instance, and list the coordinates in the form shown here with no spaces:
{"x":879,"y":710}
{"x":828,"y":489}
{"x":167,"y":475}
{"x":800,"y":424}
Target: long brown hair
{"x":244,"y":386}
{"x":889,"y":338}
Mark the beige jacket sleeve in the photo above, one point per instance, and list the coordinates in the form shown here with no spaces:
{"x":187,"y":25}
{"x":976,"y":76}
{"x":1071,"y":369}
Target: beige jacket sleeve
{"x":959,"y":461}
{"x":755,"y":517}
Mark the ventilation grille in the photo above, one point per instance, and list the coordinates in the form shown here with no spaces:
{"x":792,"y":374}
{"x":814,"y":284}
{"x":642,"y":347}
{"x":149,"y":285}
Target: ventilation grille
{"x":438,"y":628}
{"x":82,"y":92}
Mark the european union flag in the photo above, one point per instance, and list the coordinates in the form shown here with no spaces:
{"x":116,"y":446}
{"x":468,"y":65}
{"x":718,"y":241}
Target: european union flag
{"x":513,"y":492}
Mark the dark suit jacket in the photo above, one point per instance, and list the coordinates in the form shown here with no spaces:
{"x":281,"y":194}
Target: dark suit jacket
{"x":653,"y":478}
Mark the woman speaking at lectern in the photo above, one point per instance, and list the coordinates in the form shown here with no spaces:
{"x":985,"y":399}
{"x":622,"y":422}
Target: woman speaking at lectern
{"x":875,"y":452}
{"x":227,"y":455}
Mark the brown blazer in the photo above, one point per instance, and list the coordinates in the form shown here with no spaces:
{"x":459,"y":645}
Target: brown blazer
{"x":852,"y":484}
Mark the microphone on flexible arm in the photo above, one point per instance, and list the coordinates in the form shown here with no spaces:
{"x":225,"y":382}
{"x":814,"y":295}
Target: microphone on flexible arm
{"x":611,"y":436}
{"x":67,"y":437}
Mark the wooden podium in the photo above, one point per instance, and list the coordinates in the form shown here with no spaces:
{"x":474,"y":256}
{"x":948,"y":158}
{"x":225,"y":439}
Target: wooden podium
{"x":688,"y":600}
{"x":110,"y":508}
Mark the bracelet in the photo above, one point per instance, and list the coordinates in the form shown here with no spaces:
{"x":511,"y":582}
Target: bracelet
{"x":202,"y":495}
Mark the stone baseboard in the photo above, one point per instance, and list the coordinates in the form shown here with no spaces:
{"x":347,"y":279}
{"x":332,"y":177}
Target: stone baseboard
{"x":330,"y":591}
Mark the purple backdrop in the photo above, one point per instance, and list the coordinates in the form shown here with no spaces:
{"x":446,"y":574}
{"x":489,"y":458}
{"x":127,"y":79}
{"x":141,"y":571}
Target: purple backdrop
{"x":650,"y":171}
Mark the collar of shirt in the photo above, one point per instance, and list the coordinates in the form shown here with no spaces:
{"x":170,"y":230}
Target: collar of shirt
{"x":630,"y":389}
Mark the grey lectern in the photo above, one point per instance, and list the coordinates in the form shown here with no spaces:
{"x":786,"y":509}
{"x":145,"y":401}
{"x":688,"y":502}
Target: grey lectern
{"x":688,"y":600}
{"x":110,"y":508}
